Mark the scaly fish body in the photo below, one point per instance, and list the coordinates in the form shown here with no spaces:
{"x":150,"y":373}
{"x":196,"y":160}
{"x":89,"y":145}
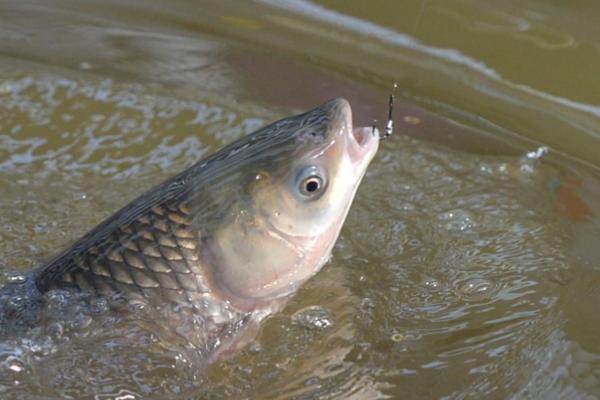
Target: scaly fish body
{"x":232,"y":237}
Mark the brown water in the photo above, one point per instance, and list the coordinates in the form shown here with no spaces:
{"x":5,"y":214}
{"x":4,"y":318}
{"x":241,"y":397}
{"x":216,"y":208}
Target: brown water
{"x":466,"y":268}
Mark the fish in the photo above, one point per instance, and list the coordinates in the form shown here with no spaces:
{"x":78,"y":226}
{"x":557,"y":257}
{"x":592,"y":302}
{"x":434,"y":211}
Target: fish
{"x":229,"y":239}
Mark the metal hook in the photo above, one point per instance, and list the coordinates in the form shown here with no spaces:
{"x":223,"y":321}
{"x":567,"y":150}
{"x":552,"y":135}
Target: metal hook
{"x":389,"y":126}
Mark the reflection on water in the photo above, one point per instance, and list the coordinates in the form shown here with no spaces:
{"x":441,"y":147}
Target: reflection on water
{"x":467,"y":269}
{"x":459,"y":274}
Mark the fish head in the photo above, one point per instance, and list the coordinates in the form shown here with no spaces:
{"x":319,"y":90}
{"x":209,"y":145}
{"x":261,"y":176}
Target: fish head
{"x":300,"y":178}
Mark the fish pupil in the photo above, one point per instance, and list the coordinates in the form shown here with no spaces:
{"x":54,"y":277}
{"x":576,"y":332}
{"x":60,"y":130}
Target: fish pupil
{"x":312,"y":186}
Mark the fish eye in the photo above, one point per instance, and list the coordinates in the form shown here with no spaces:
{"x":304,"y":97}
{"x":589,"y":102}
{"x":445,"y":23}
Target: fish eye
{"x":312,"y":185}
{"x":311,"y":182}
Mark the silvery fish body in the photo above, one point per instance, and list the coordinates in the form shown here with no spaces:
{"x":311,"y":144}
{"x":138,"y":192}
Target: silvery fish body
{"x":226,"y":241}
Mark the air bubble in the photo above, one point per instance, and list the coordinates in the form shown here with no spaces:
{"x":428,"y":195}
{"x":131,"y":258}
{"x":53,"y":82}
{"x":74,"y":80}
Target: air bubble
{"x":457,"y":220}
{"x":56,"y":330}
{"x":366,"y":304}
{"x":15,"y":302}
{"x":313,"y":317}
{"x":476,"y":289}
{"x":397,"y":337}
{"x":99,"y":305}
{"x":14,"y":364}
{"x":57,"y":299}
{"x":432,"y":284}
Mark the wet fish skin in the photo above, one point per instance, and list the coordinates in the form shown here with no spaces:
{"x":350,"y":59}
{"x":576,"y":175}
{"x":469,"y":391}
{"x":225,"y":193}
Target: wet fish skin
{"x":178,"y":242}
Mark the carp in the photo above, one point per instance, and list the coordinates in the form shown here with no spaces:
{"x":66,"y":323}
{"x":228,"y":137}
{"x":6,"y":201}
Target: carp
{"x":230,"y":239}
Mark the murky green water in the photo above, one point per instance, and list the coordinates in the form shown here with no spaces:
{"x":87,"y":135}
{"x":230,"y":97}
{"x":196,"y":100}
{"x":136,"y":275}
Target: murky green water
{"x":465,"y":269}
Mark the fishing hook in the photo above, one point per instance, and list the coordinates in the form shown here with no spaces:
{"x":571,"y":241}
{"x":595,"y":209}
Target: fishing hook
{"x":389,"y":126}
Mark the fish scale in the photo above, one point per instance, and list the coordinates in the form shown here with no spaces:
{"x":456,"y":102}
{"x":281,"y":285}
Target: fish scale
{"x":153,"y":256}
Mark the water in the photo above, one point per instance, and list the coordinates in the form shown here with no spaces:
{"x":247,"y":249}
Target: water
{"x":468,"y":266}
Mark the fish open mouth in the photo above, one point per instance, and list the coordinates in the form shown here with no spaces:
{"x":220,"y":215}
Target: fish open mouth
{"x":362,"y":135}
{"x":363,"y":142}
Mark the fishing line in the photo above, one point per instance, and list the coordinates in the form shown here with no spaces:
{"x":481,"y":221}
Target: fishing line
{"x":418,"y":21}
{"x":389,"y":126}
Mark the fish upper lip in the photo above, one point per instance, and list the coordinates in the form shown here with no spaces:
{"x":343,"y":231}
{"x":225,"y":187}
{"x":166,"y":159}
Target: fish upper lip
{"x":361,"y":140}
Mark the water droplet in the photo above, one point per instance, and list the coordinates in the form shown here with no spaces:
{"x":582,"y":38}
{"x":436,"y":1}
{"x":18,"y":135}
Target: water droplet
{"x":476,"y":289}
{"x":313,"y":317}
{"x":537,"y":153}
{"x":16,"y":278}
{"x":531,"y":159}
